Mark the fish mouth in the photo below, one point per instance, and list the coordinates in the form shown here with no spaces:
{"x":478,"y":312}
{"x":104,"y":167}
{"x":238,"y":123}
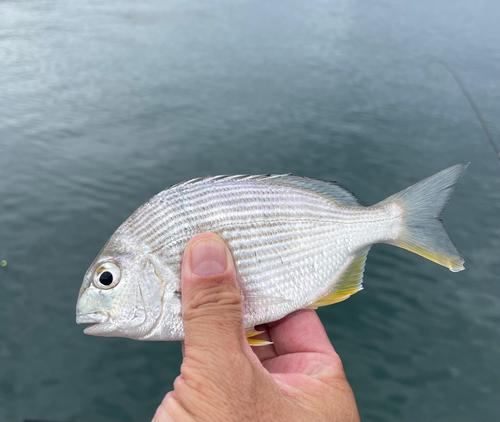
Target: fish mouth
{"x":92,"y":318}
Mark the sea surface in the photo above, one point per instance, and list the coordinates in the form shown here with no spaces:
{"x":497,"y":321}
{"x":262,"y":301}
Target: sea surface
{"x":105,"y":103}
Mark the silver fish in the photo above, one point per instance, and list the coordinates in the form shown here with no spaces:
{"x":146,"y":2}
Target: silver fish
{"x":297,"y":243}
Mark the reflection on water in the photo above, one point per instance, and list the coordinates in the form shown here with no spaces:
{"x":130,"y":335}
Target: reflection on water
{"x":105,"y":104}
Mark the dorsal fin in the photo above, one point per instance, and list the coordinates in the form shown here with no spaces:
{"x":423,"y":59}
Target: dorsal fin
{"x":350,"y":282}
{"x":332,"y":190}
{"x":324,"y":187}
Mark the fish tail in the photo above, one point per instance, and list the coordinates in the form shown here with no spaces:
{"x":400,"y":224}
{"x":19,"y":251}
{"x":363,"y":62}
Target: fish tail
{"x":423,"y":232}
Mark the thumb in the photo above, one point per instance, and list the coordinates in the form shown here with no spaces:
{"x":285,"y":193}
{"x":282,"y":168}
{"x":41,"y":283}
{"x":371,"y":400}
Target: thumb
{"x":212,"y":307}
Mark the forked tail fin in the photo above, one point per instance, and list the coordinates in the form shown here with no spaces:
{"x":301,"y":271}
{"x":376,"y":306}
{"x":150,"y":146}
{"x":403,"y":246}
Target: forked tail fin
{"x":423,"y":232}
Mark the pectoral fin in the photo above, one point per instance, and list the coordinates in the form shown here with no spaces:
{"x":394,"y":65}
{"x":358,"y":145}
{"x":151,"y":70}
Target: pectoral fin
{"x":253,"y":333}
{"x":255,"y":342}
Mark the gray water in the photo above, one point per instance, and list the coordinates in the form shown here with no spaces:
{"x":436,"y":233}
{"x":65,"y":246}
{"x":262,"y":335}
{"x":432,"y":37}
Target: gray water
{"x":104,"y":104}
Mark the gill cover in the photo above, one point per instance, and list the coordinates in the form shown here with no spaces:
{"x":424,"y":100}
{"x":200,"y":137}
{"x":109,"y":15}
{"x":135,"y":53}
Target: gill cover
{"x":121,"y":294}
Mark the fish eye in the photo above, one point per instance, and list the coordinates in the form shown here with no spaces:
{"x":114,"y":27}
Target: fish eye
{"x":107,"y":276}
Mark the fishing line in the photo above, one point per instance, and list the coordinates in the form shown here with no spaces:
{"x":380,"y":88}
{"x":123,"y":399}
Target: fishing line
{"x":470,"y":100}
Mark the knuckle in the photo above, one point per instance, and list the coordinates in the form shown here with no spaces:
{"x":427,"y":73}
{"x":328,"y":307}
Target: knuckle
{"x":336,"y":363}
{"x":334,"y":370}
{"x":194,"y":375}
{"x":214,"y":298}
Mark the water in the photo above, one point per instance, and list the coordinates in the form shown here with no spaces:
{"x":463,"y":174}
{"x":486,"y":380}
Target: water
{"x":103,"y":104}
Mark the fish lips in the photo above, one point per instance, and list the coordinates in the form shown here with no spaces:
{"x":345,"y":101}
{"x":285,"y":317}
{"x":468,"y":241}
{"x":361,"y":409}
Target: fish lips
{"x":93,"y":318}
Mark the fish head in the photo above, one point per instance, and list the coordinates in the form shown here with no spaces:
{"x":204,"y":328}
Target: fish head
{"x":121,"y":293}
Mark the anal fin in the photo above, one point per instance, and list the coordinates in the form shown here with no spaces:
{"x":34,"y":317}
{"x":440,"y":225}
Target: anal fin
{"x":349,"y":283}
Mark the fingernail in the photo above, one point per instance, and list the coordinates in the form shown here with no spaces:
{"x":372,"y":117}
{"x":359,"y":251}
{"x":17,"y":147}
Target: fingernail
{"x":208,"y":257}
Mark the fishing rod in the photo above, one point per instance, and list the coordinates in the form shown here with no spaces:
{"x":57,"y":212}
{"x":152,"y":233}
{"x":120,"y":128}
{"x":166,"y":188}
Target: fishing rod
{"x":472,"y":104}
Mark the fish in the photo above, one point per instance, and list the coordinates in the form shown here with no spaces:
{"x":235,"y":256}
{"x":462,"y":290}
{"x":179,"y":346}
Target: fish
{"x":297,"y":243}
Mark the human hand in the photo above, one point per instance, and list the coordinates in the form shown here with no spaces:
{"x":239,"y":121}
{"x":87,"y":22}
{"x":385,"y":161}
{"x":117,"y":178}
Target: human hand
{"x":298,"y":378}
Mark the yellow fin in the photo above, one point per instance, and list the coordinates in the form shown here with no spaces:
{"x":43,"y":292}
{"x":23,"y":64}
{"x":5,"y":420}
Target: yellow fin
{"x":330,"y":299}
{"x":255,"y":342}
{"x":419,"y":208}
{"x":454,"y":263}
{"x":349,"y":283}
{"x":253,"y":333}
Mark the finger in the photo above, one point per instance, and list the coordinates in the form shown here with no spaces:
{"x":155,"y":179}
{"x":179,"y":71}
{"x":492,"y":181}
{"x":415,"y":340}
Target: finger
{"x":300,"y":332}
{"x":211,"y":301}
{"x":264,"y":352}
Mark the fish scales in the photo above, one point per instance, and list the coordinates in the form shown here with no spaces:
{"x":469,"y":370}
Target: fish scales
{"x":226,"y":211}
{"x":294,"y":240}
{"x":248,"y":218}
{"x":223,"y":201}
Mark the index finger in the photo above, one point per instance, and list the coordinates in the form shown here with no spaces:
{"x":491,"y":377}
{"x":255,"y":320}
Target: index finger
{"x":300,"y":332}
